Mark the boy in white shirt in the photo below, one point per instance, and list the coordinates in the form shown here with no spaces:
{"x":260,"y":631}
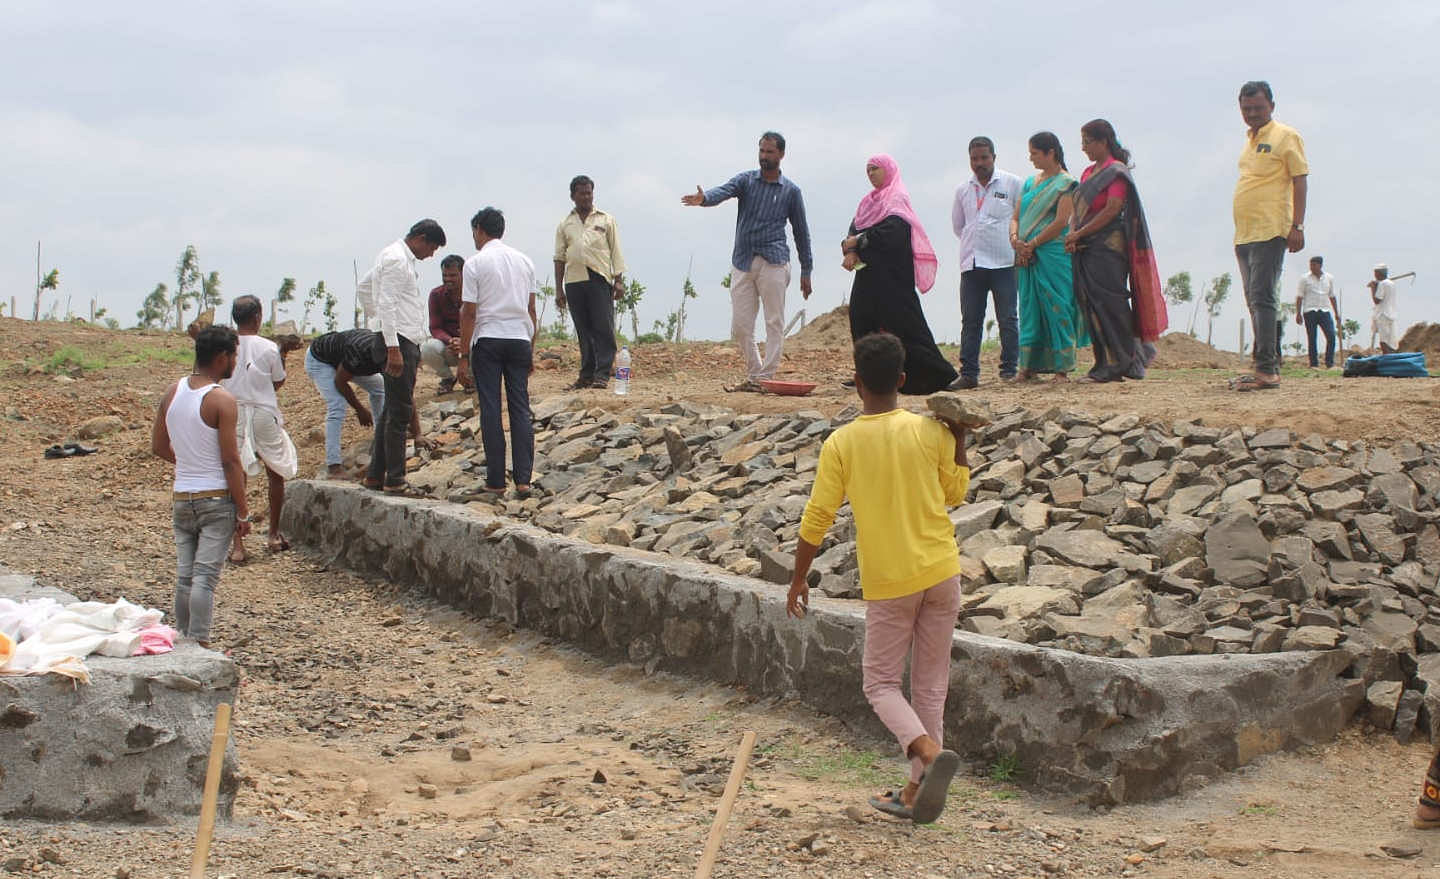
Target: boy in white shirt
{"x":264,"y":444}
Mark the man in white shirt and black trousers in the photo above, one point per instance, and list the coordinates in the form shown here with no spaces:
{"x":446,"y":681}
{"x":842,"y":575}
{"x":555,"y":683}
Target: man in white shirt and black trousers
{"x":981,"y":218}
{"x":394,"y":287}
{"x":497,"y":317}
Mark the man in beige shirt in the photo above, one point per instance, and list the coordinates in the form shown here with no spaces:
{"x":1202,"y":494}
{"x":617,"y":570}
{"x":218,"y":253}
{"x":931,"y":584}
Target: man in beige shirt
{"x":589,"y":277}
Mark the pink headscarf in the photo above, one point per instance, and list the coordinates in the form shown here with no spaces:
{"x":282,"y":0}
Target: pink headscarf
{"x":892,"y":199}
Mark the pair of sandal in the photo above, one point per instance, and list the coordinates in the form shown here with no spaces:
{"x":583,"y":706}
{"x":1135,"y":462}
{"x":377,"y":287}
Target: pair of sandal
{"x":399,"y":489}
{"x":69,"y":450}
{"x":1252,"y":383}
{"x":929,"y":797}
{"x":748,"y":386}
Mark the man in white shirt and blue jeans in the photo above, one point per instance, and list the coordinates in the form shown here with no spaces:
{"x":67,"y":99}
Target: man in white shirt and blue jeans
{"x":1314,"y":305}
{"x":981,"y":218}
{"x":497,"y":317}
{"x":394,"y":288}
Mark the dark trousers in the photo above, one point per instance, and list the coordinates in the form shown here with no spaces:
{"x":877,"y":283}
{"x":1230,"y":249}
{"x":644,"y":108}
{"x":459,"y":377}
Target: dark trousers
{"x":592,"y":307}
{"x":508,"y":360}
{"x":1323,"y":321}
{"x":976,"y":286}
{"x":1260,"y":265}
{"x":387,"y":454}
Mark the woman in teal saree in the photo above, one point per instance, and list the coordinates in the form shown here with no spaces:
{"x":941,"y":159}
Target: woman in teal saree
{"x":1051,"y":327}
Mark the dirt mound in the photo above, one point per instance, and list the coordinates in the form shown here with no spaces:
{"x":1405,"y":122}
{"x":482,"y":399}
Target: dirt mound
{"x":1184,"y":351}
{"x":1422,"y":337}
{"x":829,"y":330}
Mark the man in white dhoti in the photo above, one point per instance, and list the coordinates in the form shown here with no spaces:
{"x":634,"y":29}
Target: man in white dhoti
{"x":259,"y":427}
{"x":1382,"y":293}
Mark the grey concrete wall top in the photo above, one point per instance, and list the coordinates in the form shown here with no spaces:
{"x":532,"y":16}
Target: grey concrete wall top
{"x":1109,"y":730}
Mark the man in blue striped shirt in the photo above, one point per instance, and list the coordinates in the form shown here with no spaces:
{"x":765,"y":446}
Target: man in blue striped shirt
{"x":762,"y":257}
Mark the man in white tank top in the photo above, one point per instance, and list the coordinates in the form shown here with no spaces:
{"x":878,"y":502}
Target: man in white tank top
{"x":195,"y":430}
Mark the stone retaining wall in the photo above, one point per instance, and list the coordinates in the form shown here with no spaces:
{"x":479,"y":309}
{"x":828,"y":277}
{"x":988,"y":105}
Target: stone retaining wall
{"x":131,"y":745}
{"x":1109,"y":730}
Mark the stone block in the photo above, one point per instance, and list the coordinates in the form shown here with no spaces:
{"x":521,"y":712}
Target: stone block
{"x":970,"y":519}
{"x":1312,"y":638}
{"x":1326,"y":479}
{"x":1006,"y":563}
{"x":1382,"y":700}
{"x":1237,"y":551}
{"x":1067,"y":491}
{"x":132,"y":745}
{"x":1088,"y":549}
{"x":1025,"y":602}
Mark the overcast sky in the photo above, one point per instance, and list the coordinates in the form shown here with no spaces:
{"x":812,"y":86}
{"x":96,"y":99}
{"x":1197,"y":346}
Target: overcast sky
{"x":288,"y":139}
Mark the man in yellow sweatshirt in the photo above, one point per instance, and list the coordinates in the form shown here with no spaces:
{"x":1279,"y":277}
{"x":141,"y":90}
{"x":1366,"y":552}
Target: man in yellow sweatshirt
{"x":900,"y":472}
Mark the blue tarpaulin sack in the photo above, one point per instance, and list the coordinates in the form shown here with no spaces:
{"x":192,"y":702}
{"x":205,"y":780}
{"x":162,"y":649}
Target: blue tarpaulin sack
{"x":1408,"y":364}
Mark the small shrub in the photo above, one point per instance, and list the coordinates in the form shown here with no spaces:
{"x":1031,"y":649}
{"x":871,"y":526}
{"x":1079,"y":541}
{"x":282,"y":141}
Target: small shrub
{"x":1004,"y":768}
{"x":71,"y":359}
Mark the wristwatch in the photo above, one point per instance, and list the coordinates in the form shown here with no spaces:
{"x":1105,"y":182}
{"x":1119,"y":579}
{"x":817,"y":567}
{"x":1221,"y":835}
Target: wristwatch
{"x":1298,"y":227}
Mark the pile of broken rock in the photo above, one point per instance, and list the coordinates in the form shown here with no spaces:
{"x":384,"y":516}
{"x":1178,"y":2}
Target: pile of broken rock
{"x":1106,"y":536}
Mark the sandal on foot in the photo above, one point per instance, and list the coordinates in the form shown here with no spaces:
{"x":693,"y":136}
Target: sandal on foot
{"x":889,"y":803}
{"x":403,"y":489}
{"x":1251,"y":383}
{"x":372,"y":484}
{"x":934,"y":786}
{"x":277,"y":545}
{"x":1424,"y":823}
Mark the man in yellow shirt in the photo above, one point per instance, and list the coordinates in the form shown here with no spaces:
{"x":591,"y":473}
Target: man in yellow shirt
{"x":589,"y":277}
{"x":900,"y":472}
{"x":1269,"y":219}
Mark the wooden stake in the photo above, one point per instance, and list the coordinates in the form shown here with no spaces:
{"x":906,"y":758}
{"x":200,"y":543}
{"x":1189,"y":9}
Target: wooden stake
{"x":212,"y":791}
{"x":727,"y":801}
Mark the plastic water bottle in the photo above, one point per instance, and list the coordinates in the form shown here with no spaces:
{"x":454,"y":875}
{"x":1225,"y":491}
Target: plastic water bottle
{"x":622,"y":371}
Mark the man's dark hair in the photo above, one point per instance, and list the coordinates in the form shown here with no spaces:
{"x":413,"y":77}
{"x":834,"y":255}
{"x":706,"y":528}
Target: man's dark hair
{"x":245,"y":310}
{"x":490,"y":221}
{"x":430,"y":231}
{"x":578,"y":181}
{"x":1257,"y":87}
{"x":1319,"y":259}
{"x":453,"y":259}
{"x":879,"y":360}
{"x":213,"y":341}
{"x":776,"y":138}
{"x":981,"y":141}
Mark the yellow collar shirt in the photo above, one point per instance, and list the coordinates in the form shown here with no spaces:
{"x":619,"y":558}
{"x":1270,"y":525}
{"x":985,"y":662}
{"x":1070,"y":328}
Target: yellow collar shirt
{"x":1264,"y":195}
{"x":589,"y":244}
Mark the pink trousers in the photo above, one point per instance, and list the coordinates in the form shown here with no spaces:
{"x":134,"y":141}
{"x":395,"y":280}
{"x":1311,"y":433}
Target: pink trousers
{"x":922,"y":626}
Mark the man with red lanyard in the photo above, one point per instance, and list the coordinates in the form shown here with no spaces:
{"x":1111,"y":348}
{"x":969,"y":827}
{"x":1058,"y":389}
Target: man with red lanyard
{"x":981,"y":217}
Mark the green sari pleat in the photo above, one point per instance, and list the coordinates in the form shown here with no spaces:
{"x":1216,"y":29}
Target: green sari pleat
{"x":1051,"y":326}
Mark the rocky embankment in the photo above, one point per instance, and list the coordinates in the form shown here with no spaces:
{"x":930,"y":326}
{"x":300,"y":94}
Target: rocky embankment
{"x":1105,"y":536}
